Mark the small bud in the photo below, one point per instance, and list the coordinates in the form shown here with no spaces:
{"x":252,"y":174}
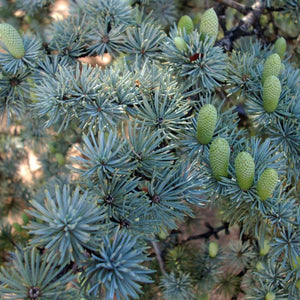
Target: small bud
{"x":259,"y":266}
{"x":25,"y":218}
{"x":163,"y":234}
{"x":180,"y":43}
{"x":213,"y":249}
{"x":298,"y":285}
{"x":17,"y":227}
{"x":12,"y":40}
{"x":296,"y":264}
{"x":203,"y":297}
{"x":267,"y":183}
{"x":272,"y":66}
{"x":244,"y":169}
{"x":270,"y":296}
{"x":52,"y":147}
{"x":206,"y":123}
{"x":271,"y":93}
{"x":219,"y":154}
{"x":185,"y":22}
{"x":265,"y":248}
{"x":280,"y":46}
{"x":209,"y":23}
{"x":60,"y":159}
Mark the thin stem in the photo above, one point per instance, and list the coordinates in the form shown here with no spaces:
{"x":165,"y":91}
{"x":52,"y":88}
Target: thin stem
{"x":159,"y":258}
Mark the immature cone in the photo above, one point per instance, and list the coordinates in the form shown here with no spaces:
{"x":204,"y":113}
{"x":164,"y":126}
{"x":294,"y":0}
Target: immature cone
{"x":259,"y":266}
{"x":213,"y":249}
{"x":267,"y":183}
{"x":280,"y":46}
{"x":17,"y":227}
{"x":60,"y":159}
{"x":185,"y":22}
{"x":206,"y":123}
{"x":271,"y":93}
{"x":272,"y":66}
{"x":206,"y":296}
{"x":244,"y":170}
{"x":180,"y":43}
{"x":270,"y":296}
{"x":209,"y":23}
{"x":219,"y":153}
{"x":12,"y":40}
{"x":298,"y":285}
{"x":25,"y":218}
{"x":296,"y":264}
{"x":265,"y":248}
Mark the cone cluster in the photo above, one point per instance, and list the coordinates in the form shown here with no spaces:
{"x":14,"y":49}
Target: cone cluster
{"x":209,"y":26}
{"x":271,"y":83}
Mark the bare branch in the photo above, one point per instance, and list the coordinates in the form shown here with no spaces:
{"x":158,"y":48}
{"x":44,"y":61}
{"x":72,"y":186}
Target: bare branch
{"x":212,"y":232}
{"x":242,"y":29}
{"x":254,"y":15}
{"x":159,"y":258}
{"x":238,"y":6}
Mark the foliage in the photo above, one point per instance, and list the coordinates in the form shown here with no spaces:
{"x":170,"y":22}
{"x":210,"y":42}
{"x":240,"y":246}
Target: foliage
{"x":183,"y":119}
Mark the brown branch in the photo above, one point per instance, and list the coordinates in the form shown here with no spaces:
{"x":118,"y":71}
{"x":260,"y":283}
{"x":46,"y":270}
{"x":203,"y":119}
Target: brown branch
{"x":242,"y":29}
{"x":159,"y":258}
{"x":238,"y":6}
{"x":254,"y":15}
{"x":296,"y":44}
{"x":212,"y":232}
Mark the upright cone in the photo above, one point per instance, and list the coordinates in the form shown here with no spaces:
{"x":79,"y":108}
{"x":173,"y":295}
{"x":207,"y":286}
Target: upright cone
{"x":244,"y":169}
{"x":272,"y":66}
{"x":209,"y":24}
{"x":12,"y":40}
{"x":219,"y":154}
{"x":267,"y":183}
{"x":206,"y":123}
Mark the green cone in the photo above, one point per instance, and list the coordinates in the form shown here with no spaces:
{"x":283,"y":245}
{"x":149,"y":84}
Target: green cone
{"x":12,"y":40}
{"x":265,"y":248}
{"x":272,"y":66}
{"x":209,"y":23}
{"x":271,"y":93}
{"x":17,"y":227}
{"x":219,"y":154}
{"x":267,"y":183}
{"x":244,"y":169}
{"x":270,"y":296}
{"x":280,"y":46}
{"x":206,"y":123}
{"x":213,"y":249}
{"x":180,"y":43}
{"x":185,"y":22}
{"x":296,"y":264}
{"x":298,"y":285}
{"x":60,"y":159}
